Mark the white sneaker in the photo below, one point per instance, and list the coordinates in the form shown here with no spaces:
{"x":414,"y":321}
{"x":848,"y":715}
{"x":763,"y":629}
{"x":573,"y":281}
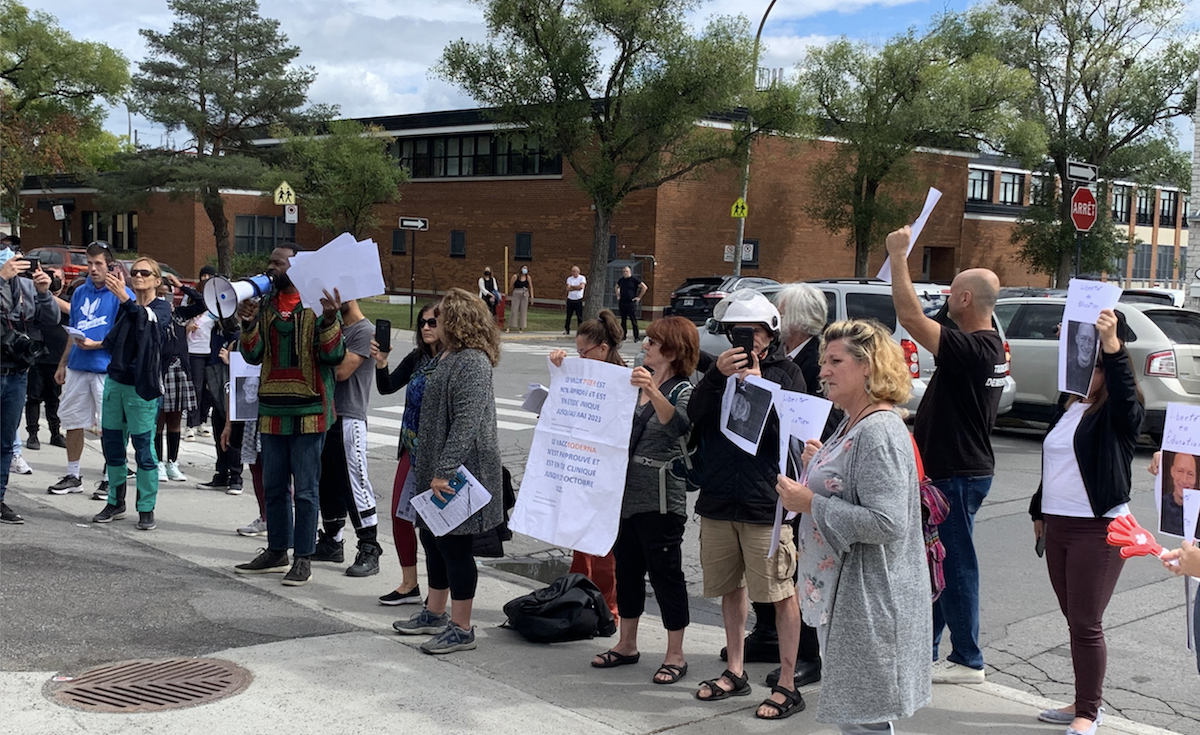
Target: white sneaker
{"x":948,"y":672}
{"x":205,"y":430}
{"x":173,"y":472}
{"x":19,"y":466}
{"x":162,"y":472}
{"x":189,"y":435}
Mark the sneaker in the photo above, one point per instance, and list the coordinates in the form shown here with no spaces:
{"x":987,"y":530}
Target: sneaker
{"x":948,"y":672}
{"x":69,"y":484}
{"x":300,"y":573}
{"x":19,"y":466}
{"x":205,"y":430}
{"x":7,"y":515}
{"x":101,"y":492}
{"x":452,"y":639}
{"x":1058,"y":717}
{"x":130,"y":473}
{"x":162,"y":472}
{"x":146,"y":521}
{"x":217,"y":483}
{"x":266,"y":562}
{"x":328,"y":549}
{"x":256,"y":527}
{"x":110,"y":513}
{"x":396,"y":597}
{"x":423,"y":623}
{"x":235,"y":488}
{"x":189,"y":435}
{"x":57,"y":440}
{"x":33,"y":443}
{"x":173,"y":473}
{"x":366,"y":562}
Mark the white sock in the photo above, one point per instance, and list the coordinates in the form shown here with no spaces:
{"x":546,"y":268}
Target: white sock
{"x":73,"y":468}
{"x":338,"y":536}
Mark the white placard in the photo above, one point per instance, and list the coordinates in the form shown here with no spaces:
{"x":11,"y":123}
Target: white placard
{"x":745,"y":407}
{"x":351,"y":267}
{"x":1191,"y":514}
{"x":443,"y":516}
{"x":931,"y":200}
{"x":1086,"y":299}
{"x":1175,"y":494}
{"x":1078,"y":339}
{"x":575,"y":475}
{"x":801,"y":417}
{"x":243,"y":388}
{"x":1181,"y":430}
{"x":535,"y":398}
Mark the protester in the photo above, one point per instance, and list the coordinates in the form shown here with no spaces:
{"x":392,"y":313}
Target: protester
{"x":42,"y":387}
{"x":412,"y":372}
{"x":953,"y":432}
{"x":345,"y":485}
{"x":133,"y":388}
{"x":864,"y":577}
{"x":25,"y":301}
{"x":179,"y":392}
{"x":298,"y":351}
{"x":737,"y":507}
{"x":457,"y":429}
{"x":597,"y":339}
{"x":654,"y":507}
{"x":1086,"y":459}
{"x":489,"y":290}
{"x":576,"y":285}
{"x":199,"y":344}
{"x":227,"y":435}
{"x":629,"y":292}
{"x":1186,"y":560}
{"x":84,"y":364}
{"x":520,"y":292}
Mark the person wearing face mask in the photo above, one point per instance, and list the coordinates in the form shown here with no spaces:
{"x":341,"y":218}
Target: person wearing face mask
{"x":520,"y":293}
{"x":42,"y":388}
{"x":489,"y":290}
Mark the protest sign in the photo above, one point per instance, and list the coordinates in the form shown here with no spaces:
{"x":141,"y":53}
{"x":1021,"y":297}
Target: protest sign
{"x":1179,"y":472}
{"x":345,"y":264}
{"x":745,"y":406}
{"x":575,"y":475}
{"x":243,"y":388}
{"x":445,"y":515}
{"x":801,"y":417}
{"x":1078,"y":340}
{"x":931,"y":200}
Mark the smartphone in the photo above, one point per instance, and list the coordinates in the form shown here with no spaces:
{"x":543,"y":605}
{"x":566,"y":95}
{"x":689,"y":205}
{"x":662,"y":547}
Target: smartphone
{"x":1039,"y":546}
{"x":35,"y":265}
{"x":383,"y":334}
{"x":743,"y":337}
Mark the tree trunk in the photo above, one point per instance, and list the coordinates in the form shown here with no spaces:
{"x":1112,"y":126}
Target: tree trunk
{"x":597,"y":273}
{"x":214,"y":207}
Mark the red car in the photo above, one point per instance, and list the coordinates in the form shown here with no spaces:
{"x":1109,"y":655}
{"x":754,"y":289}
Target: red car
{"x":71,"y":261}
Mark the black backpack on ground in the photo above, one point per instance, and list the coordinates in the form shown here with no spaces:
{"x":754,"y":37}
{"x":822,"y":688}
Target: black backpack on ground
{"x":570,"y":609}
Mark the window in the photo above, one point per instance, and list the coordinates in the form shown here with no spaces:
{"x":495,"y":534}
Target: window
{"x":118,"y":230}
{"x":399,"y":242}
{"x":1165,"y":266}
{"x":443,"y":156}
{"x":1168,"y":206}
{"x":612,"y":248}
{"x":458,"y":244}
{"x":1004,"y":314}
{"x":979,"y":186}
{"x":830,"y":307}
{"x":260,"y":235}
{"x":1145,"y":204}
{"x":1187,"y":205}
{"x":872,"y":306}
{"x":1036,"y":321}
{"x":1181,"y":327}
{"x":1012,"y":189}
{"x":524,"y":249}
{"x":750,"y":247}
{"x":1120,"y":204}
{"x":1141,"y":261}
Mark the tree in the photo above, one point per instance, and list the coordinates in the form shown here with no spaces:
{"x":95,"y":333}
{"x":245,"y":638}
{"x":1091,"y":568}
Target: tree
{"x":617,"y":87}
{"x":224,"y":75}
{"x":341,"y":176}
{"x":1110,"y":77}
{"x":50,"y":83}
{"x":942,"y":89}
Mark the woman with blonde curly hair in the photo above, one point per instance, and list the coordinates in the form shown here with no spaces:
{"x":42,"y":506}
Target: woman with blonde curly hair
{"x":861,"y":538}
{"x":457,"y":428}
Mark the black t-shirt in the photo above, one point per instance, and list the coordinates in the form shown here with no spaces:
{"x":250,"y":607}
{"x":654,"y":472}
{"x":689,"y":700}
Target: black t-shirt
{"x":629,"y":288}
{"x":954,"y":423}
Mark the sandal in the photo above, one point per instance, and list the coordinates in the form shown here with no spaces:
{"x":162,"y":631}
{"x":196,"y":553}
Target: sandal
{"x":792,"y":703}
{"x":611,"y":659}
{"x":673,"y":672}
{"x":741,"y":687}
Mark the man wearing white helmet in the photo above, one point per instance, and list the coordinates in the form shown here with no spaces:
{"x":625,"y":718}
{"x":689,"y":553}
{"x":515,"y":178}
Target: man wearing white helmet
{"x":737,"y":507}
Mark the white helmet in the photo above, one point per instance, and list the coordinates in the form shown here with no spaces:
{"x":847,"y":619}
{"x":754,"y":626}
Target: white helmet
{"x":747,"y":306}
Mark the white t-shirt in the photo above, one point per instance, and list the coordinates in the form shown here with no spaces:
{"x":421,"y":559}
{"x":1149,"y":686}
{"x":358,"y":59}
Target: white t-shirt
{"x":576,"y":283}
{"x":200,"y":340}
{"x":1063,"y":493}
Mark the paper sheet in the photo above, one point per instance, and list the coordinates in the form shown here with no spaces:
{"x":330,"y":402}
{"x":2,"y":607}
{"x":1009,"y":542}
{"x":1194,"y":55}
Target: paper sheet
{"x":1086,"y":299}
{"x":443,"y":516}
{"x":801,"y":417}
{"x":74,"y":333}
{"x":351,"y":267}
{"x":535,"y":398}
{"x":931,"y":200}
{"x":243,"y":388}
{"x":745,"y":407}
{"x":1191,"y":514}
{"x":404,"y":507}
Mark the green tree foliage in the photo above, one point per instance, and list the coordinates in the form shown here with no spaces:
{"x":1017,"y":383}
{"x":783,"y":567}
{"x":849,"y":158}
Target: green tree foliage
{"x":943,"y":89}
{"x":223,"y":74}
{"x":617,"y":87}
{"x":50,"y":85}
{"x":1110,"y":77}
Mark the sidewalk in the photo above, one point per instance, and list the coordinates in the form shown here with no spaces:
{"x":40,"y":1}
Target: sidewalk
{"x":372,"y":680}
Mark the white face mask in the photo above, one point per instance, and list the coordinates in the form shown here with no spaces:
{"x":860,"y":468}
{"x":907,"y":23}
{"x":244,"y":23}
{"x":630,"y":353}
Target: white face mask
{"x":6,"y":254}
{"x":525,"y":270}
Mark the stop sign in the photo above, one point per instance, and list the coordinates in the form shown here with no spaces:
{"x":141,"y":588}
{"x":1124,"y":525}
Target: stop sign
{"x":1083,"y":209}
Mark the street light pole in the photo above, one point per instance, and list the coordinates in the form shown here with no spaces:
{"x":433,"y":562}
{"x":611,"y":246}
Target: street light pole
{"x":741,"y":221}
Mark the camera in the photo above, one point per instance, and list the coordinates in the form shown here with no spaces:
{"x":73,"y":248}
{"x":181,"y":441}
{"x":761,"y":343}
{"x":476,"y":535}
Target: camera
{"x":19,"y":349}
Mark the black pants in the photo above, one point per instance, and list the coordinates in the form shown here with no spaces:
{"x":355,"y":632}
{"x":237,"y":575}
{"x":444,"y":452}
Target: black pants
{"x":196,"y":365}
{"x":42,"y":389}
{"x":337,"y":492}
{"x":628,"y":311}
{"x":652,"y":542}
{"x":450,"y":565}
{"x":573,"y":307}
{"x":229,"y":461}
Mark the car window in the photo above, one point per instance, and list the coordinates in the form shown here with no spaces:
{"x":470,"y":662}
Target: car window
{"x":1181,"y":327}
{"x":876,"y":306}
{"x":1005,"y":314}
{"x":931,"y":303}
{"x":830,"y":307}
{"x":49,"y":257}
{"x":1036,"y":321}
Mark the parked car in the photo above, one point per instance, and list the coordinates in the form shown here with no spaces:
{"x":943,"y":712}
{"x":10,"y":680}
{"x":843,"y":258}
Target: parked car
{"x":1160,"y":296}
{"x":1163,"y":340}
{"x":696,"y":298}
{"x":71,"y":261}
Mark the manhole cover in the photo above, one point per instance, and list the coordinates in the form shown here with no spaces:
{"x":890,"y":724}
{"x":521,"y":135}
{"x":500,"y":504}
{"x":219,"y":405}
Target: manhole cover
{"x":150,"y":686}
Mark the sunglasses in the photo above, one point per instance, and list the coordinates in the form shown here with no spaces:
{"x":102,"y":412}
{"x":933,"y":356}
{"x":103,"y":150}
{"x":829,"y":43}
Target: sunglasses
{"x":422,"y":323}
{"x":142,"y":272}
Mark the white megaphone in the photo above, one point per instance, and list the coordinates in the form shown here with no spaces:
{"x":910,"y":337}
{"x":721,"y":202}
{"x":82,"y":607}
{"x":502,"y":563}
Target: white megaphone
{"x":222,"y":295}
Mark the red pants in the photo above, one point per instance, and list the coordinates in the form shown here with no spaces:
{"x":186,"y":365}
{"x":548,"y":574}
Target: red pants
{"x":603,"y":571}
{"x":403,"y":533}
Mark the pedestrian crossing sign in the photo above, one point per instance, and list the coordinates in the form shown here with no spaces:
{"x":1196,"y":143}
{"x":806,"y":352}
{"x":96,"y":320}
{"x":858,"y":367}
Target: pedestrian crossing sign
{"x":739,"y":209}
{"x":284,"y":194}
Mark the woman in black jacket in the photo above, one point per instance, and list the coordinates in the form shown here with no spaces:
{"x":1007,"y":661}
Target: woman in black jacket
{"x":1086,"y":459}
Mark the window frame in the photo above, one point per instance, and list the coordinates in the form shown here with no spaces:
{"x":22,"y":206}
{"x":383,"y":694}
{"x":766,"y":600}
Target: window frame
{"x":523,"y":250}
{"x":458,"y":243}
{"x":979,"y":185}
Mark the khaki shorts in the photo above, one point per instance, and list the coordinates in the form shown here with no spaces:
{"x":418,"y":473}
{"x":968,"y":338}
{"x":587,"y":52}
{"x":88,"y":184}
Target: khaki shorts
{"x":79,"y":407}
{"x":734,"y":555}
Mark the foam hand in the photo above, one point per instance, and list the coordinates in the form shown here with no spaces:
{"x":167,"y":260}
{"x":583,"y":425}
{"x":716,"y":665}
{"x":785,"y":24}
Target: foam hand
{"x":1133,"y":540}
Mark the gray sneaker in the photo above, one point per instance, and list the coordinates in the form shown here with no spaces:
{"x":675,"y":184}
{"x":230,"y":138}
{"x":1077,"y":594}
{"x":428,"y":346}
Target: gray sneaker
{"x":423,"y":623}
{"x":452,"y":639}
{"x":256,"y":527}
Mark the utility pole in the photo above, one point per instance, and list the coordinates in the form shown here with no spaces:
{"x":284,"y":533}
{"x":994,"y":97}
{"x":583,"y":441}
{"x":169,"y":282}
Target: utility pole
{"x":1192,"y":277}
{"x":741,"y":221}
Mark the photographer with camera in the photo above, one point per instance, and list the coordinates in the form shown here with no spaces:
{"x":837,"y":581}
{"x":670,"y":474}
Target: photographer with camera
{"x":25,"y":302}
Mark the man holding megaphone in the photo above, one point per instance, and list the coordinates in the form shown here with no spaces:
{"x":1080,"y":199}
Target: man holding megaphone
{"x":298,"y":353}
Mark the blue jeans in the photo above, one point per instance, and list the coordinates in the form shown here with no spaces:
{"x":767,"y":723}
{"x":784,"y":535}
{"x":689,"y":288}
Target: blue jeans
{"x":958,"y":607}
{"x":12,"y":401}
{"x":292,"y":461}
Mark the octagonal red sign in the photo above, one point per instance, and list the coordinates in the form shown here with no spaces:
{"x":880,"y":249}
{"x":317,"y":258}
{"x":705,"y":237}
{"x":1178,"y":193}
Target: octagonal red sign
{"x":1083,"y":209}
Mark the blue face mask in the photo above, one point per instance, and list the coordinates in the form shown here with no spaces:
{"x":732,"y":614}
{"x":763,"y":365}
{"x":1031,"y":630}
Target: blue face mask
{"x":5,"y":255}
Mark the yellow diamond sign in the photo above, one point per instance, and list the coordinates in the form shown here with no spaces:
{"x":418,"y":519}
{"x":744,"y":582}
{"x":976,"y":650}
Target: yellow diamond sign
{"x":284,"y":194}
{"x":739,"y":209}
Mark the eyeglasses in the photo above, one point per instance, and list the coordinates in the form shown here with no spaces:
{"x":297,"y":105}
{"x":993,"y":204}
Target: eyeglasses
{"x":584,"y":353}
{"x":422,"y":323}
{"x":142,"y":272}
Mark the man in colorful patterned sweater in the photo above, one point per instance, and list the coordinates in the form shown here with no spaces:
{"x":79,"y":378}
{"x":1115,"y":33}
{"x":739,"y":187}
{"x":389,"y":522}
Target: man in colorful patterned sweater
{"x":298,"y":352}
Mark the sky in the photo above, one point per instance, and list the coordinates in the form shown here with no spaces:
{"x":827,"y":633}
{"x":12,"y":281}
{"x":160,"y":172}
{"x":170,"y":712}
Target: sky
{"x":373,"y":57}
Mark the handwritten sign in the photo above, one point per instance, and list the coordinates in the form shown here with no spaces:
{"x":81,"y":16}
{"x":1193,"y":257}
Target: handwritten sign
{"x":1181,"y":431}
{"x":801,"y":417}
{"x":1086,"y":299}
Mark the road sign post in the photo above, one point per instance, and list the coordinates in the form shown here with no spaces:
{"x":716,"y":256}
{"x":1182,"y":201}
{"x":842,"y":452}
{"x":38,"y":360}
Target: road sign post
{"x":416,"y":224}
{"x":1083,"y":214}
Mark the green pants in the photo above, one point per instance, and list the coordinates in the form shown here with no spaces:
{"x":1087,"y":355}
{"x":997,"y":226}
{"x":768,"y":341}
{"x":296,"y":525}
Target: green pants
{"x":125,"y":413}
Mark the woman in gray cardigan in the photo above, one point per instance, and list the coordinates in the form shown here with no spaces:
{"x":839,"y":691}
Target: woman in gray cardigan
{"x":458,"y":427}
{"x":864,"y":579}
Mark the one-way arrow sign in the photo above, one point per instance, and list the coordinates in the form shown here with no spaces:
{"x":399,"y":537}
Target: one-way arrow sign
{"x":1084,"y":173}
{"x":414,"y":223}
